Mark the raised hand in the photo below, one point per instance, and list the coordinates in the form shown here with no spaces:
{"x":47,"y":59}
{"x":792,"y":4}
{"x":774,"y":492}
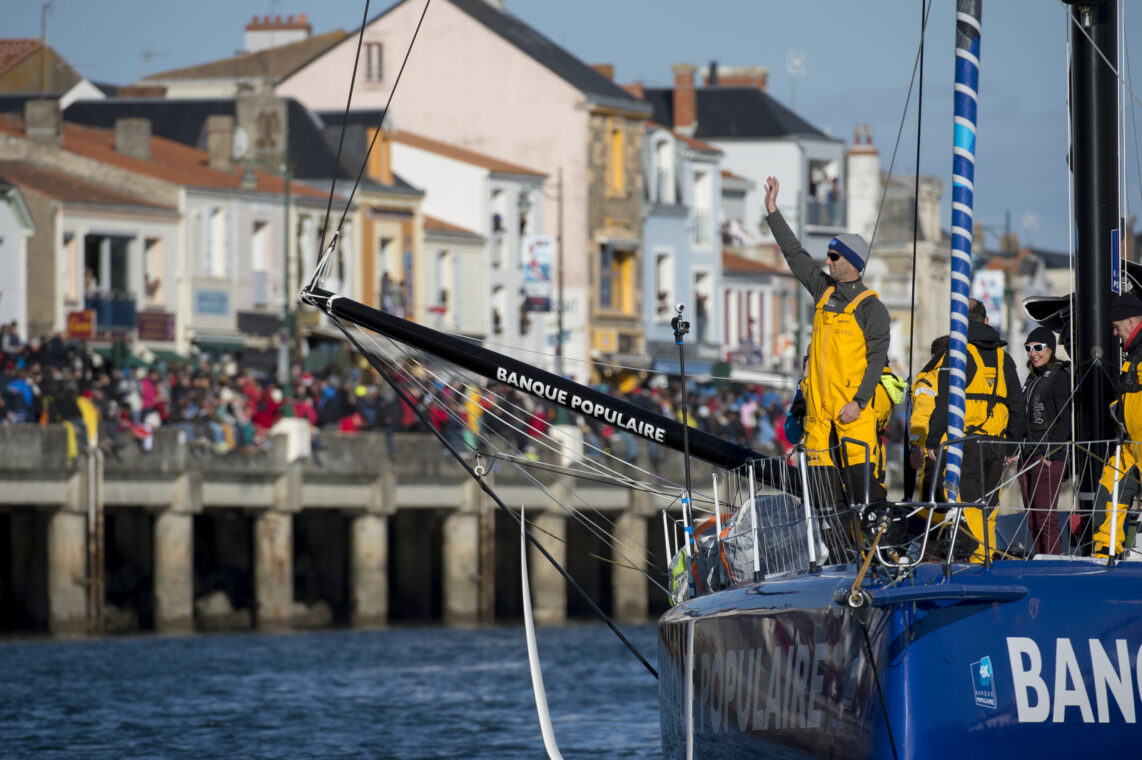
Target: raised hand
{"x":771,"y":188}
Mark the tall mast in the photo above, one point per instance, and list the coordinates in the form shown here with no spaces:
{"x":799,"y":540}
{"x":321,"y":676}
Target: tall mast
{"x":1094,"y":166}
{"x":968,"y":14}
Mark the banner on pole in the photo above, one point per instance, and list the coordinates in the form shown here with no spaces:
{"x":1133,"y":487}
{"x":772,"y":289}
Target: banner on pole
{"x":538,"y":257}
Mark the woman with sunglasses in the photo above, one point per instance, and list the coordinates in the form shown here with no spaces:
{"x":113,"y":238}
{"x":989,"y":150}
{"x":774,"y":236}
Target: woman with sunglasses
{"x":1044,"y":454}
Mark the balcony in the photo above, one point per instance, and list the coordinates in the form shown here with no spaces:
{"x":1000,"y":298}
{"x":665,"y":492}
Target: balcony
{"x":115,"y":313}
{"x":826,"y":214}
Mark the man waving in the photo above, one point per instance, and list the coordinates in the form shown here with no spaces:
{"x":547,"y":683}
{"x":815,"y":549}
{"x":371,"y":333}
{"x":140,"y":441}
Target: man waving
{"x":848,"y":352}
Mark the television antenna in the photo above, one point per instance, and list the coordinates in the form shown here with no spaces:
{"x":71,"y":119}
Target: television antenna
{"x":145,"y":58}
{"x":795,"y":65}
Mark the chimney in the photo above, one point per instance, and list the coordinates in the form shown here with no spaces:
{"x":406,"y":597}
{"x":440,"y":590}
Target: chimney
{"x":42,"y":122}
{"x":606,"y":69}
{"x":380,"y":166}
{"x":685,"y":99}
{"x":133,"y":138}
{"x":269,"y":32}
{"x":862,"y":191}
{"x":220,"y":142}
{"x":738,"y":76}
{"x":636,"y":89}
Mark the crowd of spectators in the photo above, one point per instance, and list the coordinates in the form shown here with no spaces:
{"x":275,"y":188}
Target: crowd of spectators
{"x":226,"y":409}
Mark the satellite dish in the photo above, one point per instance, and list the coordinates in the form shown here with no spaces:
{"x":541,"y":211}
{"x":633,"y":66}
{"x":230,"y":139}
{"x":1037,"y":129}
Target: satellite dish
{"x":241,"y":143}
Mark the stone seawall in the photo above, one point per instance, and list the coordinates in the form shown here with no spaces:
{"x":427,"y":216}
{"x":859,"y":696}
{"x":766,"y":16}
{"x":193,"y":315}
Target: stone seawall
{"x":180,"y":538}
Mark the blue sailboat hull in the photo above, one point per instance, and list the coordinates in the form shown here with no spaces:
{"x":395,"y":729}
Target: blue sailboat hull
{"x":1025,"y":658}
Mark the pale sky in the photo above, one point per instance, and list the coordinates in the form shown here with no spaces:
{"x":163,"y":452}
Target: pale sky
{"x":857,"y":63}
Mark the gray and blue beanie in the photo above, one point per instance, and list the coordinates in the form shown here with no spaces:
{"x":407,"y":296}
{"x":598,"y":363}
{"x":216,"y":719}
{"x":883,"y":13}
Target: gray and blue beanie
{"x":852,"y":248}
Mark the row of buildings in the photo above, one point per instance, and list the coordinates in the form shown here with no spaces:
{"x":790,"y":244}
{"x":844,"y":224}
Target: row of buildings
{"x":514,"y":194}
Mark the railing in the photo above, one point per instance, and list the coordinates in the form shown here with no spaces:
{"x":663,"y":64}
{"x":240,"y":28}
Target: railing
{"x":826,"y":214}
{"x":115,"y":312}
{"x":779,"y":516}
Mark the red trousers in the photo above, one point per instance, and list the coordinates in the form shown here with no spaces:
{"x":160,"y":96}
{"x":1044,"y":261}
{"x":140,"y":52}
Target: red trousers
{"x":1040,"y":484}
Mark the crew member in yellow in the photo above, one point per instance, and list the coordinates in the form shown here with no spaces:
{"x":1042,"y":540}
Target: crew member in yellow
{"x":889,"y":392}
{"x":994,"y":412}
{"x":848,"y":351}
{"x":1122,"y":465}
{"x":923,"y":404}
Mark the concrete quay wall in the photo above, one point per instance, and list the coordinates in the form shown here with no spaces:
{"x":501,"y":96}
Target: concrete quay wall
{"x":180,"y":538}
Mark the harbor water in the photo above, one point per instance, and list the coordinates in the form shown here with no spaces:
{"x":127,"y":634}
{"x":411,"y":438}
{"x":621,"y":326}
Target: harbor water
{"x":396,"y":693}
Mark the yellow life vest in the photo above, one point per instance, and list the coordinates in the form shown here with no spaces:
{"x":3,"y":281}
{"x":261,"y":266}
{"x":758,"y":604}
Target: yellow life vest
{"x":923,"y":404}
{"x":838,"y":358}
{"x":1127,"y":408}
{"x":985,"y":407}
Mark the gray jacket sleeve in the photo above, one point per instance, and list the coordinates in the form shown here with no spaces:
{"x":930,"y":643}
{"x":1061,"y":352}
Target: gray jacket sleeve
{"x":872,"y":316}
{"x":800,"y":262}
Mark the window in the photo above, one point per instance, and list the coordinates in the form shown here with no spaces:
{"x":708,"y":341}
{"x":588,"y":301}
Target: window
{"x":703,"y":208}
{"x":615,"y":279}
{"x":373,"y":67}
{"x":825,"y":207}
{"x":615,"y":168}
{"x":703,"y":287}
{"x":71,"y":253}
{"x":664,"y":173}
{"x":260,"y":262}
{"x":499,"y":307}
{"x":153,"y":270}
{"x":664,"y":285}
{"x":106,"y":262}
{"x":388,"y":288}
{"x":217,"y":254}
{"x":445,"y":276}
{"x":499,"y":228}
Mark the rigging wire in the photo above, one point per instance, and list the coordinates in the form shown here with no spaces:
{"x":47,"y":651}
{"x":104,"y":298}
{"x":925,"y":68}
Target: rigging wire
{"x":344,"y":124}
{"x":896,"y":147}
{"x":1071,"y":229}
{"x":492,"y":495}
{"x":924,"y":11}
{"x":1133,"y":107}
{"x":377,"y":133}
{"x":1118,"y":74}
{"x":555,"y":446}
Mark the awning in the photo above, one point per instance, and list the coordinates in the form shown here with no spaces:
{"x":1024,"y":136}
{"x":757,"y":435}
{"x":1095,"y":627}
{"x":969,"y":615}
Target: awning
{"x":220,"y":343}
{"x":163,"y":355}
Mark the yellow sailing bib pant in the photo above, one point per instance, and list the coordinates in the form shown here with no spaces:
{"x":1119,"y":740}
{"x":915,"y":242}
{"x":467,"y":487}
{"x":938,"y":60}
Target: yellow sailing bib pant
{"x":837,"y":363}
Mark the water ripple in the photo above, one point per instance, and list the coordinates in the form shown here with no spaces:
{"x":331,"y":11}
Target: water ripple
{"x":401,"y":693}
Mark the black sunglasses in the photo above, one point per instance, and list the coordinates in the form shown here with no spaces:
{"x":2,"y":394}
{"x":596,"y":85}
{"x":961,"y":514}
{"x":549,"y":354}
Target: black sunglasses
{"x":834,"y":256}
{"x":1035,"y":347}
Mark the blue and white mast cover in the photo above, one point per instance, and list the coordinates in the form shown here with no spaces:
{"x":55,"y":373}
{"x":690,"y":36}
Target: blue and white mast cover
{"x":968,"y":13}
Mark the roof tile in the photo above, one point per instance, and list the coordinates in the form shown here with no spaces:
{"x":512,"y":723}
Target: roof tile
{"x":12,"y":51}
{"x":448,"y":150}
{"x":277,"y":62}
{"x":62,"y":187}
{"x":170,"y":161}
